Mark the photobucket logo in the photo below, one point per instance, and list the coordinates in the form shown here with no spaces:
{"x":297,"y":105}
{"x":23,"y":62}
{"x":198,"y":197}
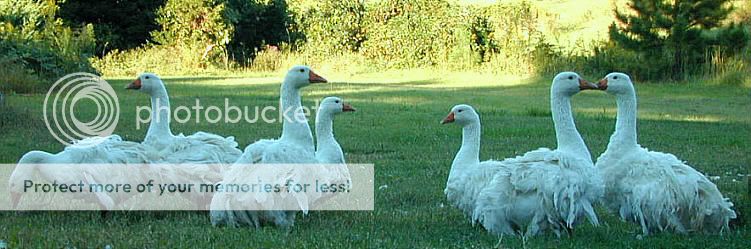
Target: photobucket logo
{"x":60,"y":110}
{"x":213,"y":114}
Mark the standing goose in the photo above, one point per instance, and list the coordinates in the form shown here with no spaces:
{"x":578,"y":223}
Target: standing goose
{"x":295,"y":146}
{"x":654,"y":189}
{"x":201,"y":147}
{"x":543,"y":189}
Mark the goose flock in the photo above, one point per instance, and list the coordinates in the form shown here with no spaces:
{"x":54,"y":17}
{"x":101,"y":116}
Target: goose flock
{"x":541,"y":190}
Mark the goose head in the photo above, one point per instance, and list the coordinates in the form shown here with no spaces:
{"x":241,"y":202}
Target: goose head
{"x":570,"y":83}
{"x":462,"y":115}
{"x":147,"y":83}
{"x":302,"y":76}
{"x":616,"y":84}
{"x":15,"y":182}
{"x":334,"y":105}
{"x":25,"y":170}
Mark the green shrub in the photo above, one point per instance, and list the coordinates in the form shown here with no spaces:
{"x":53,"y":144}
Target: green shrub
{"x":331,"y":27}
{"x":514,"y":35}
{"x":18,"y":78}
{"x":117,"y":24}
{"x":35,"y":43}
{"x":198,"y":25}
{"x":409,"y":34}
{"x":162,"y":59}
{"x":255,"y":24}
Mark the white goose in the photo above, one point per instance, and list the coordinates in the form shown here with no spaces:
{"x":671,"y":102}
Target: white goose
{"x":95,"y":150}
{"x":543,"y":189}
{"x":200,"y":147}
{"x":295,"y":146}
{"x":654,"y":189}
{"x":328,"y":149}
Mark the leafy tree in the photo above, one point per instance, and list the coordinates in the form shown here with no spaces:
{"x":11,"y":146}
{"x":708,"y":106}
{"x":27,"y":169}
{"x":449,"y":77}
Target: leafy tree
{"x":197,"y":27}
{"x":410,"y":33}
{"x":36,"y":47}
{"x":676,"y":30}
{"x":117,"y":24}
{"x":256,"y":23}
{"x":332,"y":27}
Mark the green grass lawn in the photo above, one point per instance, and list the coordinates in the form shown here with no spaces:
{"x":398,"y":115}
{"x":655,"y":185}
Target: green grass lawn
{"x":396,"y":127}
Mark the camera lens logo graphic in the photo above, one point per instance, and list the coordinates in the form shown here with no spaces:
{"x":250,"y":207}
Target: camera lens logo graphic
{"x":72,"y":93}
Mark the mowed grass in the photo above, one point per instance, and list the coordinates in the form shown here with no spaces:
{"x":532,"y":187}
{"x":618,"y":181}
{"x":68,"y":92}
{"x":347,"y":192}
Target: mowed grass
{"x":396,"y":127}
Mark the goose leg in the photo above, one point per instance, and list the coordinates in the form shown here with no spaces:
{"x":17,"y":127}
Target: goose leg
{"x":499,"y":245}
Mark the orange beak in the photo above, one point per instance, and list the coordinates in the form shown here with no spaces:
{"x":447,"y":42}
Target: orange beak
{"x":347,"y":108}
{"x":602,"y":84}
{"x":15,"y":198}
{"x":135,"y":85}
{"x":448,"y":119}
{"x":586,"y":85}
{"x":315,"y":78}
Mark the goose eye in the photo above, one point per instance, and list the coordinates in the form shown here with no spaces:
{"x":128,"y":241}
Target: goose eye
{"x":302,"y":70}
{"x":571,"y":77}
{"x":147,"y":77}
{"x":337,"y":101}
{"x":615,"y":77}
{"x":459,"y":111}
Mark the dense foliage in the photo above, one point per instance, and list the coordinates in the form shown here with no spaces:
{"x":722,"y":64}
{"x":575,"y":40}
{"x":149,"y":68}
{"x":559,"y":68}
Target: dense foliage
{"x":674,"y":36}
{"x":651,"y":40}
{"x":117,"y":24}
{"x":330,"y":27}
{"x":36,"y":48}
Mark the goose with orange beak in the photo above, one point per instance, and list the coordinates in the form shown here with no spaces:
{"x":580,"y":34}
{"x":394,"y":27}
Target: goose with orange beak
{"x":199,"y":148}
{"x":295,"y":146}
{"x":653,"y":189}
{"x":529,"y":194}
{"x":328,"y":149}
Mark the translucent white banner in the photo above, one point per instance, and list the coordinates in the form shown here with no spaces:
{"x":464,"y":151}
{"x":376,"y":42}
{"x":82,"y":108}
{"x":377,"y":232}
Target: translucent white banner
{"x":186,"y":187}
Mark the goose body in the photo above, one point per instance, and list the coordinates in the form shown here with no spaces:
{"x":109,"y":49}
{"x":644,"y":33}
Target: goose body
{"x":95,"y":150}
{"x":328,"y":149}
{"x":198,"y":148}
{"x":295,"y":146}
{"x":541,"y":190}
{"x":654,"y":189}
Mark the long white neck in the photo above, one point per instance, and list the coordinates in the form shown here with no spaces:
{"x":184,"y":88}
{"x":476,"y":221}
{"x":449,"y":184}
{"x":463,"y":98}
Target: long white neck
{"x":294,"y":125}
{"x":328,"y":149}
{"x":469,"y":153}
{"x":324,"y":127}
{"x":568,"y":138}
{"x":625,"y":125}
{"x":160,"y":119}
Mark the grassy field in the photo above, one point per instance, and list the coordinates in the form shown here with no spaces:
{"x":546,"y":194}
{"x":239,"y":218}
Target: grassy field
{"x":397,"y":128}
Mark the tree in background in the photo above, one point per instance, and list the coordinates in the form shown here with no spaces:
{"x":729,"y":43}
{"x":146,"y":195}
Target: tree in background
{"x":117,"y":24}
{"x":676,"y":34}
{"x":331,"y":27}
{"x":196,"y":27}
{"x":36,"y":47}
{"x":256,"y":23}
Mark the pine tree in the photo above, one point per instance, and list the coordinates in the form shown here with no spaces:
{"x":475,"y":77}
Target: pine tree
{"x":672,"y":29}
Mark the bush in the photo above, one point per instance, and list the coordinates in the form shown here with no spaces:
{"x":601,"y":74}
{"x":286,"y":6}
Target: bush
{"x":117,"y":24}
{"x":18,"y":78}
{"x":197,"y":25}
{"x":163,"y":59}
{"x":409,"y":34}
{"x":35,"y":46}
{"x":256,"y":23}
{"x":331,"y":27}
{"x":509,"y":35}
